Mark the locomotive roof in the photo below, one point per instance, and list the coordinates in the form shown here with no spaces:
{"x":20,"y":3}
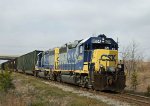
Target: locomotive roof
{"x":84,"y":40}
{"x":100,"y":37}
{"x":88,"y":40}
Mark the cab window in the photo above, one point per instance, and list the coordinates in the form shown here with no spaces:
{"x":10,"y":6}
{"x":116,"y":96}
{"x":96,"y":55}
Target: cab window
{"x":81,"y":50}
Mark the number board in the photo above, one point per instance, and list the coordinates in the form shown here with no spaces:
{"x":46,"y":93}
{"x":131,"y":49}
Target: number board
{"x":96,"y":41}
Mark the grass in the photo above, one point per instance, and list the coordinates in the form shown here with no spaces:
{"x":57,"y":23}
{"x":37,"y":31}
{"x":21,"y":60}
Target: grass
{"x":5,"y":81}
{"x":31,"y":91}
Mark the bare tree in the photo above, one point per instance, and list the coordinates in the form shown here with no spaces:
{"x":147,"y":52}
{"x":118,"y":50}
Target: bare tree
{"x":125,"y":57}
{"x":132,"y":57}
{"x":133,"y":61}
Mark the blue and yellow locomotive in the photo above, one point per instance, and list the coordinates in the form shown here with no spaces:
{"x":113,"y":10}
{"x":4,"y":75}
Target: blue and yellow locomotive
{"x":92,"y":63}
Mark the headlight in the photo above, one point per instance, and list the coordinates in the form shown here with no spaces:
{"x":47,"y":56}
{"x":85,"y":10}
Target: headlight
{"x":101,"y":66}
{"x":111,"y":69}
{"x":119,"y":66}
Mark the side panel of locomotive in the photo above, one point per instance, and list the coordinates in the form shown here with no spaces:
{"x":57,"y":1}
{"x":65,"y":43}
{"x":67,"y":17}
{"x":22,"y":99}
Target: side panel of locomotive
{"x":63,"y":58}
{"x":70,"y":58}
{"x":47,"y":63}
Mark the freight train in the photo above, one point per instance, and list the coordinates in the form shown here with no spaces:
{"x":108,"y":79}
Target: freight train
{"x":91,"y":63}
{"x":10,"y":65}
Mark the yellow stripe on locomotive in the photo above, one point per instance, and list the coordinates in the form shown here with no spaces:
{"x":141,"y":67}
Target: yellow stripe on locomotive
{"x":56,"y":56}
{"x":104,"y":58}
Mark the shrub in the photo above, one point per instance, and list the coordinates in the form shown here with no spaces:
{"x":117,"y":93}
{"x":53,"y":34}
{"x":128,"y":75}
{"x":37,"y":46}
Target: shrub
{"x":6,"y":81}
{"x":148,"y":90}
{"x":134,"y":81}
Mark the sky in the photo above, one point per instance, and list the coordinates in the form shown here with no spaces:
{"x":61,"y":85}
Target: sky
{"x":26,"y":25}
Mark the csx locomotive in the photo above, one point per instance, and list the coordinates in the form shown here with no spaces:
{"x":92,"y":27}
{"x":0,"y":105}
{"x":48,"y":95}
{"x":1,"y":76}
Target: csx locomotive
{"x":91,"y":63}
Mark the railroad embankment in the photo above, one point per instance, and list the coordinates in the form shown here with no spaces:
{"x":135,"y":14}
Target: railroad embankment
{"x":30,"y":91}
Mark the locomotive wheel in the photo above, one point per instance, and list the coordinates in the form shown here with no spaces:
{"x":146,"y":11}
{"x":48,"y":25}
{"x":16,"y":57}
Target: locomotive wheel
{"x":53,"y":77}
{"x":34,"y":73}
{"x":58,"y":77}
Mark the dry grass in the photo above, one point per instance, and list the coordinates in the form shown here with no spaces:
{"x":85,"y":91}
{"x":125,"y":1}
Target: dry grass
{"x":143,"y":77}
{"x":33,"y":92}
{"x":10,"y":99}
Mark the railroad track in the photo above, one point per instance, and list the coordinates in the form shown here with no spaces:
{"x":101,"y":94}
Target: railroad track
{"x":124,"y":97}
{"x":134,"y":99}
{"x":138,"y":99}
{"x":128,"y":97}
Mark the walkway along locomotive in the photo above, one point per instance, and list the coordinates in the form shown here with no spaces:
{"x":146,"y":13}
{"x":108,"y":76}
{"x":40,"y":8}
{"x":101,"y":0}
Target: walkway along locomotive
{"x":92,"y":63}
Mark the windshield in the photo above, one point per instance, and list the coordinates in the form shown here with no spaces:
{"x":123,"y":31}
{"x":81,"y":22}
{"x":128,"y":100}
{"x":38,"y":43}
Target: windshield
{"x":100,"y":46}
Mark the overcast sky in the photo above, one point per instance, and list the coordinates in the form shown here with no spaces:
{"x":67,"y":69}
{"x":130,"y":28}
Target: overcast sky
{"x":26,"y":25}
